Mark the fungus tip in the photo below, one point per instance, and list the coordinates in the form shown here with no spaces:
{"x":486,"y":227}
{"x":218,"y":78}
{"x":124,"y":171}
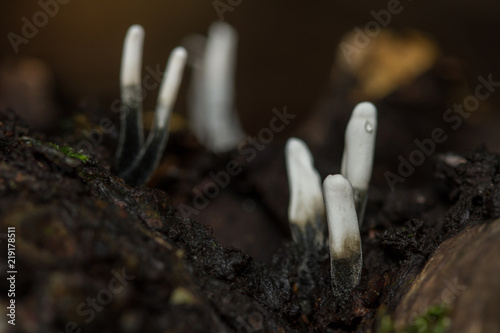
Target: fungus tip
{"x":170,"y":85}
{"x":130,"y":74}
{"x":306,"y":211}
{"x":359,"y":148}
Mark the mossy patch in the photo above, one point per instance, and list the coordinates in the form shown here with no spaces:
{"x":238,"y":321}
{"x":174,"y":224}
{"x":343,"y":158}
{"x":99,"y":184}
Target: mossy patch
{"x":70,"y":152}
{"x":434,"y":320}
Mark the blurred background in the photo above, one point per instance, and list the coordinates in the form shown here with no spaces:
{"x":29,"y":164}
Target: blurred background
{"x":286,"y":48}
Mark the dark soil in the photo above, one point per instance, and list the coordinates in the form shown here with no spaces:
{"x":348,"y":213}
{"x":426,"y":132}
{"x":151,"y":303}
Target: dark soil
{"x":78,"y":227}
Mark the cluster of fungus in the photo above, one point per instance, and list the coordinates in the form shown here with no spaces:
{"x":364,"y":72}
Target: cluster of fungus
{"x":135,"y":159}
{"x":338,"y":206}
{"x":323,"y":217}
{"x":213,"y":118}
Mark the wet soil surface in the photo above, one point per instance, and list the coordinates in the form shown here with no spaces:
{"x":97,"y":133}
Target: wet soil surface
{"x":94,"y":254}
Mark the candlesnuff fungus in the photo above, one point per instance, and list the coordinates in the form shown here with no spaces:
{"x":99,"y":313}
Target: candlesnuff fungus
{"x":306,"y":211}
{"x":213,"y":118}
{"x":131,"y":134}
{"x":151,"y":152}
{"x":345,"y":203}
{"x":359,"y":148}
{"x":344,"y":239}
{"x":135,"y":161}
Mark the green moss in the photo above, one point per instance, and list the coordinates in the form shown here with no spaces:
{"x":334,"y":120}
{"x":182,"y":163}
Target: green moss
{"x":434,"y":320}
{"x":70,"y":152}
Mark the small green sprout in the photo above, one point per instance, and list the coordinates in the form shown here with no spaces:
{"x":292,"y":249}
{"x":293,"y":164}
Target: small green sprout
{"x":70,"y":152}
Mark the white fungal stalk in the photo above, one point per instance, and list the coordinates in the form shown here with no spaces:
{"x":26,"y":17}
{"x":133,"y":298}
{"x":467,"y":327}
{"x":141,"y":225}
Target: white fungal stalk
{"x":135,"y":160}
{"x":130,"y":74}
{"x":150,"y":154}
{"x":170,"y":86}
{"x":131,"y":135}
{"x":344,"y":238}
{"x":306,"y":211}
{"x":357,"y":160}
{"x":214,"y":95}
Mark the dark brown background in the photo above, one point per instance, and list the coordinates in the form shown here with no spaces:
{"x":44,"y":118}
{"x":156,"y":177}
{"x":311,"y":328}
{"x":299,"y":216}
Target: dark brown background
{"x":286,"y":48}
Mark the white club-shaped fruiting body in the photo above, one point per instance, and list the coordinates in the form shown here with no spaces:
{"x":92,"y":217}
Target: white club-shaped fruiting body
{"x":170,"y":87}
{"x":150,"y":154}
{"x":131,"y":136}
{"x":357,"y":160}
{"x":306,"y":211}
{"x":135,"y":159}
{"x":344,"y":237}
{"x":130,"y":73}
{"x":213,"y":116}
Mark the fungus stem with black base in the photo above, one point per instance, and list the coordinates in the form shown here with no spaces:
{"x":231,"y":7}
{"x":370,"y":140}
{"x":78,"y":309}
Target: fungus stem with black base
{"x":306,"y":214}
{"x":306,"y":211}
{"x":131,"y":136}
{"x":150,"y":154}
{"x":344,"y":239}
{"x":357,"y":160}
